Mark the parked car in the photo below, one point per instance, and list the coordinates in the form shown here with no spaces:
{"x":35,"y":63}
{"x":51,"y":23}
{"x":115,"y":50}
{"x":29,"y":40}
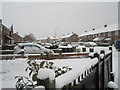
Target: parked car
{"x":31,"y":48}
{"x":117,"y":45}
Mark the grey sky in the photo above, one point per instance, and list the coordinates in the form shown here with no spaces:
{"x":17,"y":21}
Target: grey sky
{"x":43,"y":19}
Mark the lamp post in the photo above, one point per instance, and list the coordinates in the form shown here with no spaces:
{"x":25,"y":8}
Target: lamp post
{"x":56,"y":34}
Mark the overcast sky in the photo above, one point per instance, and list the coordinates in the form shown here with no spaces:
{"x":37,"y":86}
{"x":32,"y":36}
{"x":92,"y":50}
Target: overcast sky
{"x":44,"y":19}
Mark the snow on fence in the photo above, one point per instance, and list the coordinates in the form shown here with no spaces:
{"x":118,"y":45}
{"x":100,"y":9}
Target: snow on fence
{"x":94,"y":73}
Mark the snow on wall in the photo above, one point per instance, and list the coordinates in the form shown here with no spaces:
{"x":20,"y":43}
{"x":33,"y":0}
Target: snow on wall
{"x":70,"y":76}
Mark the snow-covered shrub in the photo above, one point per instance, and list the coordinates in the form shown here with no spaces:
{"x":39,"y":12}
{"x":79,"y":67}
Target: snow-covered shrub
{"x":23,"y":83}
{"x":60,"y":71}
{"x":45,"y":73}
{"x":34,"y":68}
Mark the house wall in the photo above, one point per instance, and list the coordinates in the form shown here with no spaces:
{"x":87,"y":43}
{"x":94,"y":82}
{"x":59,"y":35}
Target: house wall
{"x":73,"y":38}
{"x":28,"y":38}
{"x":5,"y":31}
{"x":105,"y":34}
{"x":17,"y":38}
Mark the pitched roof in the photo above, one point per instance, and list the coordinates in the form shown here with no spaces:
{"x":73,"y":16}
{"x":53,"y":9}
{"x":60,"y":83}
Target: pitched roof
{"x":67,"y":35}
{"x":109,"y":28}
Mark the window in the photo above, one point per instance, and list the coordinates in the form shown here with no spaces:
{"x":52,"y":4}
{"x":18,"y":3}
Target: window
{"x":103,"y":34}
{"x":116,"y":33}
{"x":99,"y":34}
{"x":109,"y":34}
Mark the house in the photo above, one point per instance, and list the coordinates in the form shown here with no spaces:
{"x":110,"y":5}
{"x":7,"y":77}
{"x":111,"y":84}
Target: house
{"x":48,"y":40}
{"x":5,"y":34}
{"x":17,"y":38}
{"x":70,"y":38}
{"x":108,"y":34}
{"x":28,"y":38}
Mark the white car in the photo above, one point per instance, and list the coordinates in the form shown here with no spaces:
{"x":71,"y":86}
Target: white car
{"x":31,"y":48}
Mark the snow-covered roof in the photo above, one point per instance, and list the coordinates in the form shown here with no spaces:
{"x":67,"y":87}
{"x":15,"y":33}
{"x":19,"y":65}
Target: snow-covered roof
{"x":109,"y":28}
{"x":107,"y":39}
{"x":44,"y":38}
{"x":67,"y":35}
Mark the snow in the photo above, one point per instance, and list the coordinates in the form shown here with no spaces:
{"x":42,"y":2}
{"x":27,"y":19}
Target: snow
{"x":98,"y":39}
{"x":67,"y":36}
{"x":113,"y":27}
{"x":91,"y":54}
{"x":112,"y":84}
{"x":68,"y":46}
{"x":116,"y":63}
{"x":45,"y":73}
{"x":11,"y":68}
{"x":39,"y":88}
{"x":102,"y":56}
{"x":92,"y":43}
{"x":107,"y":39}
{"x":78,"y":69}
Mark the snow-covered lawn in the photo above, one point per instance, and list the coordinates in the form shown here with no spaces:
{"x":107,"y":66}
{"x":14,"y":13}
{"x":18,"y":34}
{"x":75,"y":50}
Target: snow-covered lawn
{"x":10,"y":69}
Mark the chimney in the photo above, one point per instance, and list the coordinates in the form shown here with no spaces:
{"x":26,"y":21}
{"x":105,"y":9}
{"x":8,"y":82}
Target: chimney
{"x":16,"y":32}
{"x":11,"y":28}
{"x":105,"y":25}
{"x":93,"y":29}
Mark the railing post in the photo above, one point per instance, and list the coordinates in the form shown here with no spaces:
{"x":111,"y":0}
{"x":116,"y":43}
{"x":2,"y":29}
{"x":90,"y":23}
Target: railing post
{"x":102,"y":59}
{"x":60,"y":55}
{"x":98,"y":71}
{"x":110,"y":48}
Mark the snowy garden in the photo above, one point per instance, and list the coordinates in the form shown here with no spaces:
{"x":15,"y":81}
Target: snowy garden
{"x":62,"y":71}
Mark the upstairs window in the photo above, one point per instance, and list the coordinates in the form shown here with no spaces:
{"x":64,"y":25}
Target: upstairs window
{"x":109,"y":34}
{"x":103,"y":34}
{"x":116,"y":33}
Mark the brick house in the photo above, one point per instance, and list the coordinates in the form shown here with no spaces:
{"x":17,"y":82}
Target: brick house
{"x":70,"y":38}
{"x":48,"y":40}
{"x":17,"y":38}
{"x":110,"y":33}
{"x":28,"y":38}
{"x":5,"y":34}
